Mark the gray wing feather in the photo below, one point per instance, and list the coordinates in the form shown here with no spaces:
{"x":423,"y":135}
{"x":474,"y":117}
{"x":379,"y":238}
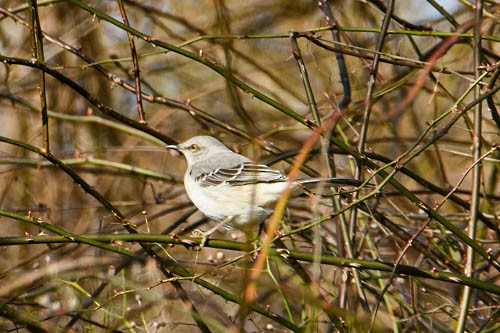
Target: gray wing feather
{"x":241,"y":174}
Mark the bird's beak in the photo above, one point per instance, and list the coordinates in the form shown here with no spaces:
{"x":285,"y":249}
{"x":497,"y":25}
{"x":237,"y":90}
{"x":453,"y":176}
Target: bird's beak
{"x":174,"y":147}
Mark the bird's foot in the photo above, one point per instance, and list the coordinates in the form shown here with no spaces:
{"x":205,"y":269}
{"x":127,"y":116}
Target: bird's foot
{"x":206,"y":234}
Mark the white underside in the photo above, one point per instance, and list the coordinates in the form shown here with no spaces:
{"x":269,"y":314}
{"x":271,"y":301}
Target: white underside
{"x":245,"y":203}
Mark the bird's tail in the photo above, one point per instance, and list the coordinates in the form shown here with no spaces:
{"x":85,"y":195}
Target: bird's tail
{"x":330,"y":181}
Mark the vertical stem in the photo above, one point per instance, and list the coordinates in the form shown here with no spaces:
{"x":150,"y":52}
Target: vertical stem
{"x":476,"y":173}
{"x":135,"y":61}
{"x":369,"y":104}
{"x":344,"y":77}
{"x":324,"y":146}
{"x":37,"y":45}
{"x":343,"y":228}
{"x":224,"y":23}
{"x":316,"y":268}
{"x":373,"y":77}
{"x":305,"y":78}
{"x":368,"y":108}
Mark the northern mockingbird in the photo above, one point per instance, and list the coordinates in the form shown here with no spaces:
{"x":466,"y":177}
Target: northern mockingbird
{"x":232,"y":189}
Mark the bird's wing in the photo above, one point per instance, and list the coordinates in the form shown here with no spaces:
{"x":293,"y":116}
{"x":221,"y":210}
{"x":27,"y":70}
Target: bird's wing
{"x":241,"y":174}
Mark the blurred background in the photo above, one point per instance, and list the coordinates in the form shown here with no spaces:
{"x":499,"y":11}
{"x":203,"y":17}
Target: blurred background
{"x":228,"y":69}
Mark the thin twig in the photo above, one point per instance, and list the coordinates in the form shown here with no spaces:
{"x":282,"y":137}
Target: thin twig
{"x":393,"y":273}
{"x":37,"y":44}
{"x":135,"y":61}
{"x":476,"y":173}
{"x":324,"y":146}
{"x":344,"y":77}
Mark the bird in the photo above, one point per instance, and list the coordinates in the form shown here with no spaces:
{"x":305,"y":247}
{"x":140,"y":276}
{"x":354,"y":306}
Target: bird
{"x":233,"y":190}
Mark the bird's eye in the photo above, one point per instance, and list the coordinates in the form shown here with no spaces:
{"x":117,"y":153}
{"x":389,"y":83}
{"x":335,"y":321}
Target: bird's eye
{"x":193,"y":147}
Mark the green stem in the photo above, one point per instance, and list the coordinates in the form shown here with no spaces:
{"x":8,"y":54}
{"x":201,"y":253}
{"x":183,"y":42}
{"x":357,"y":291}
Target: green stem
{"x":276,"y":252}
